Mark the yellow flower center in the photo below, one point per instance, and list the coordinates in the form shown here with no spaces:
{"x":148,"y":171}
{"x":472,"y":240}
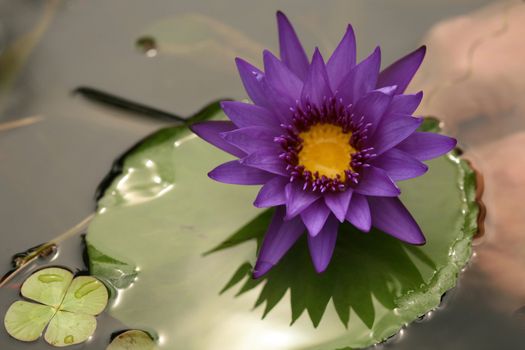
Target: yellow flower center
{"x":326,"y":149}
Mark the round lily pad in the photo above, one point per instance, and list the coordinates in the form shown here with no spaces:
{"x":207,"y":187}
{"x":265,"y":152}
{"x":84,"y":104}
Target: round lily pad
{"x":132,"y":340}
{"x":66,"y":305}
{"x":191,"y":239}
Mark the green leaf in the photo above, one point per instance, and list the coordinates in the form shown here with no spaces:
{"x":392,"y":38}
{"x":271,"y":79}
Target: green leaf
{"x":374,"y":285}
{"x":69,"y":315}
{"x":69,"y":328}
{"x":26,"y":321}
{"x":132,"y":340}
{"x":47,"y":286}
{"x":85,"y":295}
{"x":117,"y":273}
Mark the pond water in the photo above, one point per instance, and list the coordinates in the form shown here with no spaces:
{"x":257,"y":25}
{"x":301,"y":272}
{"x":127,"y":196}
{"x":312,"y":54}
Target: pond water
{"x":56,"y":147}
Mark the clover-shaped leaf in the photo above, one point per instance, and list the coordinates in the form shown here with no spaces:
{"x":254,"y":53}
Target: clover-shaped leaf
{"x":133,"y":339}
{"x":66,"y":305}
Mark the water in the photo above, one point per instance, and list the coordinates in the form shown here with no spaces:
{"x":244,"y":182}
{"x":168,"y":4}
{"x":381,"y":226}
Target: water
{"x":51,"y":168}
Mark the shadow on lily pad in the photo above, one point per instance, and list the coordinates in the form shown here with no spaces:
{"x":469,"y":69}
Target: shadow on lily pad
{"x":364,"y":266}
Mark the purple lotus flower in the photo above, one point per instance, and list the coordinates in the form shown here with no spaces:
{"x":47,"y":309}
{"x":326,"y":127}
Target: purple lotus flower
{"x":327,"y":141}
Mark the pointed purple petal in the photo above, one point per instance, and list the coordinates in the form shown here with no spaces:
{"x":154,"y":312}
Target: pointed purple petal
{"x":314,"y":217}
{"x":235,"y":173}
{"x":405,"y":104}
{"x":358,"y":213}
{"x":281,"y":77}
{"x":298,"y":199}
{"x":400,"y":165}
{"x":361,"y":79}
{"x":252,"y":139}
{"x":279,"y":238}
{"x":316,"y":87}
{"x":247,"y":114}
{"x":401,"y":72}
{"x":390,"y":216}
{"x":393,"y":129}
{"x":342,"y":60}
{"x":292,"y":52}
{"x":252,"y":80}
{"x":211,"y":131}
{"x":427,"y":145}
{"x":376,"y":182}
{"x":267,"y":161}
{"x":272,"y":193}
{"x":372,"y":107}
{"x":322,"y":246}
{"x":338,"y":203}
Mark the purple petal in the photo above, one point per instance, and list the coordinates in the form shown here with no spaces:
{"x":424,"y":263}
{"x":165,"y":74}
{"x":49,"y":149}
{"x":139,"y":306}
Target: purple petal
{"x":281,"y":77}
{"x":272,"y":193}
{"x":390,"y":216}
{"x":279,"y":238}
{"x":292,"y":52}
{"x":322,"y":246}
{"x":358,"y":213}
{"x":343,"y":59}
{"x":427,"y":145}
{"x":235,"y":173}
{"x":372,"y":107}
{"x":401,"y":72}
{"x":376,"y":182}
{"x":281,"y":104}
{"x":338,"y":203}
{"x":211,"y":131}
{"x":393,"y":129}
{"x":405,"y":104}
{"x":252,"y":80}
{"x":361,"y":79}
{"x":267,"y":161}
{"x":400,"y":165}
{"x":247,"y":114}
{"x":316,"y":87}
{"x":252,"y":139}
{"x":298,"y":199}
{"x":314,"y":217}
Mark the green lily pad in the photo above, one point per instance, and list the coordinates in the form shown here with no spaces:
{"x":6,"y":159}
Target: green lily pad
{"x":132,"y":340}
{"x":66,"y":305}
{"x":374,"y":286}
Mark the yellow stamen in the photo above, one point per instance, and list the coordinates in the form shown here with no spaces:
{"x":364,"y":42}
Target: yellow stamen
{"x":326,"y":149}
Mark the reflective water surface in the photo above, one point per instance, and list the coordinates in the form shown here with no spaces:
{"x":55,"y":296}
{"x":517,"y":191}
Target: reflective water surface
{"x":55,"y":147}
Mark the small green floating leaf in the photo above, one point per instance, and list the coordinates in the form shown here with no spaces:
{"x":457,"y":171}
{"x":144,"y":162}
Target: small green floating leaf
{"x":69,"y":328}
{"x":132,"y":340}
{"x":26,"y":321}
{"x":69,"y":310}
{"x":85,"y":295}
{"x":47,"y":286}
